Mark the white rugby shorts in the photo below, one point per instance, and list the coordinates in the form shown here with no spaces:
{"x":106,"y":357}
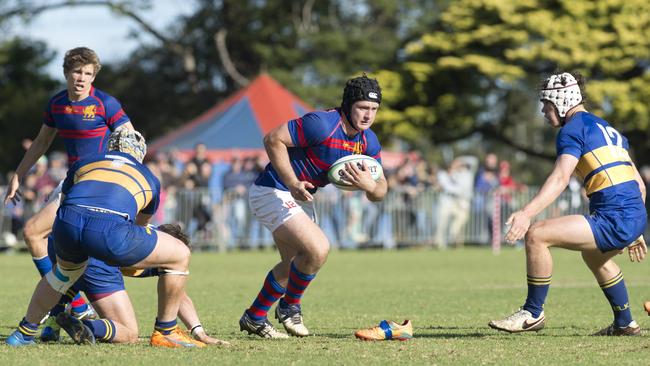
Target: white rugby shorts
{"x":272,"y":207}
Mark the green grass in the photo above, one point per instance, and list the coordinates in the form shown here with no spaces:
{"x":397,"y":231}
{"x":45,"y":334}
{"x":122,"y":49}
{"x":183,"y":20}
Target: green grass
{"x":450,"y":296}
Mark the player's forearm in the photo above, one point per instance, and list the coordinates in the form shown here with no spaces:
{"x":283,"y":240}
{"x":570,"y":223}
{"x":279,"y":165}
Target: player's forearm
{"x":35,"y":151}
{"x":187,"y":313}
{"x":126,"y":125}
{"x":279,"y":157}
{"x":378,"y":194}
{"x":552,"y":188}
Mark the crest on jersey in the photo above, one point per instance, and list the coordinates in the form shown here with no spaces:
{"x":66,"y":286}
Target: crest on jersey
{"x":358,"y":148}
{"x":89,"y":112}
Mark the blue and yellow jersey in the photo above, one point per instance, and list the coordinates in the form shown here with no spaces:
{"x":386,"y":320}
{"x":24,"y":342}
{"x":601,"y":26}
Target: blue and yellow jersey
{"x":112,"y":181}
{"x":604,"y":164}
{"x":319,"y":141}
{"x":84,"y":126}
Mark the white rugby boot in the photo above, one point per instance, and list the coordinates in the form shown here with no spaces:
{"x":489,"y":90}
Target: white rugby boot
{"x":521,"y":321}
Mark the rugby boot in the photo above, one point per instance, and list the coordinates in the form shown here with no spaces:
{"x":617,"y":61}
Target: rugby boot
{"x":261,"y":328}
{"x":387,"y":330}
{"x":16,"y":339}
{"x":290,"y":315}
{"x":88,"y":314}
{"x":176,"y":339}
{"x":76,"y":329}
{"x":51,"y":330}
{"x":520,"y":321}
{"x":632,"y":329}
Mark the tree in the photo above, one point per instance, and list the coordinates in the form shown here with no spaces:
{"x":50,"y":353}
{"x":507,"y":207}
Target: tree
{"x":310,"y":46}
{"x":478,"y":68}
{"x":25,"y":89}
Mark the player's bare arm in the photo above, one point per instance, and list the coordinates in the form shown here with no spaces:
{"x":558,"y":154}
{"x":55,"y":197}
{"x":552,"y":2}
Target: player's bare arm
{"x":39,"y":147}
{"x":554,"y":185}
{"x":189,"y":316}
{"x":276,"y":143}
{"x":128,"y":125}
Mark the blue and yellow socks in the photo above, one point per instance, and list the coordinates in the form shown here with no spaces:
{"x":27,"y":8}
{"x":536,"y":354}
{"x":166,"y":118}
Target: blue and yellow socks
{"x":103,"y":329}
{"x":27,"y":329}
{"x":616,"y":293}
{"x":165,"y":327}
{"x":537,"y":291}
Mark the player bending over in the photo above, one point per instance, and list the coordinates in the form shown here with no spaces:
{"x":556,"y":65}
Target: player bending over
{"x":108,"y":199}
{"x":104,"y":287}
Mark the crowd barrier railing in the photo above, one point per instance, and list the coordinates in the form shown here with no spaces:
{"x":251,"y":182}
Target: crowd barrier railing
{"x":404,"y":218}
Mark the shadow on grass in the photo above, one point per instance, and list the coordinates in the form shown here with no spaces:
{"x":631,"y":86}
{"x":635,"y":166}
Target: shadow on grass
{"x":473,"y":332}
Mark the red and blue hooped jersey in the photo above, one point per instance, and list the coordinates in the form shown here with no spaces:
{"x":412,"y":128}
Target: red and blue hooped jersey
{"x":604,"y":163}
{"x":85,"y":125}
{"x":319,"y":141}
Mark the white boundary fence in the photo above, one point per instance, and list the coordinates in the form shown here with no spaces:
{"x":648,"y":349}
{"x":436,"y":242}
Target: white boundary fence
{"x":349,"y":220}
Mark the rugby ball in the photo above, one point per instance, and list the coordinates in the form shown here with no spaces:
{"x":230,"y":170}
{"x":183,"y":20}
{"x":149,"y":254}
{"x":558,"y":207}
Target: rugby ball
{"x":336,"y":176}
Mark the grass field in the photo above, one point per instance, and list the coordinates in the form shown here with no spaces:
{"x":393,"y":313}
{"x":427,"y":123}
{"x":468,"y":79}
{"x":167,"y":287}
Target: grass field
{"x":450,"y":296}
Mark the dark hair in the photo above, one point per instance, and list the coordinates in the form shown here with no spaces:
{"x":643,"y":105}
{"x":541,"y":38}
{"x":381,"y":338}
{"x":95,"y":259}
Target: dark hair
{"x":175,"y":231}
{"x":359,"y":88}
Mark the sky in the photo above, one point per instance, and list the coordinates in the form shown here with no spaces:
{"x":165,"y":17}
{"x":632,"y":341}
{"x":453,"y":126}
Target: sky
{"x":96,"y":27}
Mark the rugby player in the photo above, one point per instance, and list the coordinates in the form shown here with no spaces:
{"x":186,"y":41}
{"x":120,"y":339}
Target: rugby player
{"x":104,"y":287}
{"x":598,"y":153}
{"x":107,"y":201}
{"x":301,"y":151}
{"x":83,"y":117}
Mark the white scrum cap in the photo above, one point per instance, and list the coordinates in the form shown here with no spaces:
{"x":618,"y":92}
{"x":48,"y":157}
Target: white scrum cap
{"x":563,"y":91}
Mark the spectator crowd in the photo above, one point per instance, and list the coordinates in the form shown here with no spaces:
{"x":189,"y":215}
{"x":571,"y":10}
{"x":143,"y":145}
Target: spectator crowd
{"x":464,"y":201}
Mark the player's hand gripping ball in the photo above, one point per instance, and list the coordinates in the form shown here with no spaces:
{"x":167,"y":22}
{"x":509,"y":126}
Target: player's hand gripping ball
{"x":337,"y":177}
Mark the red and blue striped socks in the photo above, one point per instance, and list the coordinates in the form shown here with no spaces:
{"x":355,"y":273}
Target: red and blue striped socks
{"x":270,"y":293}
{"x":297,"y":285}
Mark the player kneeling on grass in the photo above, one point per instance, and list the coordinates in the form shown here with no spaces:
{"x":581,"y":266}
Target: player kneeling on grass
{"x":598,"y":153}
{"x":104,"y":287}
{"x":107,"y":201}
{"x":301,"y":152}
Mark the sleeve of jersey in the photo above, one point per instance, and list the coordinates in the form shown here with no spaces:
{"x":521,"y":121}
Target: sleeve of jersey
{"x":309,"y":130}
{"x":115,"y":115}
{"x":48,"y":119}
{"x":571,"y":140}
{"x":373,"y":147}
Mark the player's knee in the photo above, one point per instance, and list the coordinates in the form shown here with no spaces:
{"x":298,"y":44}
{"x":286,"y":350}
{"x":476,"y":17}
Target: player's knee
{"x":62,"y":277}
{"x":533,"y":237}
{"x":319,"y":254}
{"x":183,"y":256}
{"x":33,"y":233}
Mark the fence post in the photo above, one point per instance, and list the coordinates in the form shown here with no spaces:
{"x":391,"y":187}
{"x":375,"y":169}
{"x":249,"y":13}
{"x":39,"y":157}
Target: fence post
{"x":496,"y":223}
